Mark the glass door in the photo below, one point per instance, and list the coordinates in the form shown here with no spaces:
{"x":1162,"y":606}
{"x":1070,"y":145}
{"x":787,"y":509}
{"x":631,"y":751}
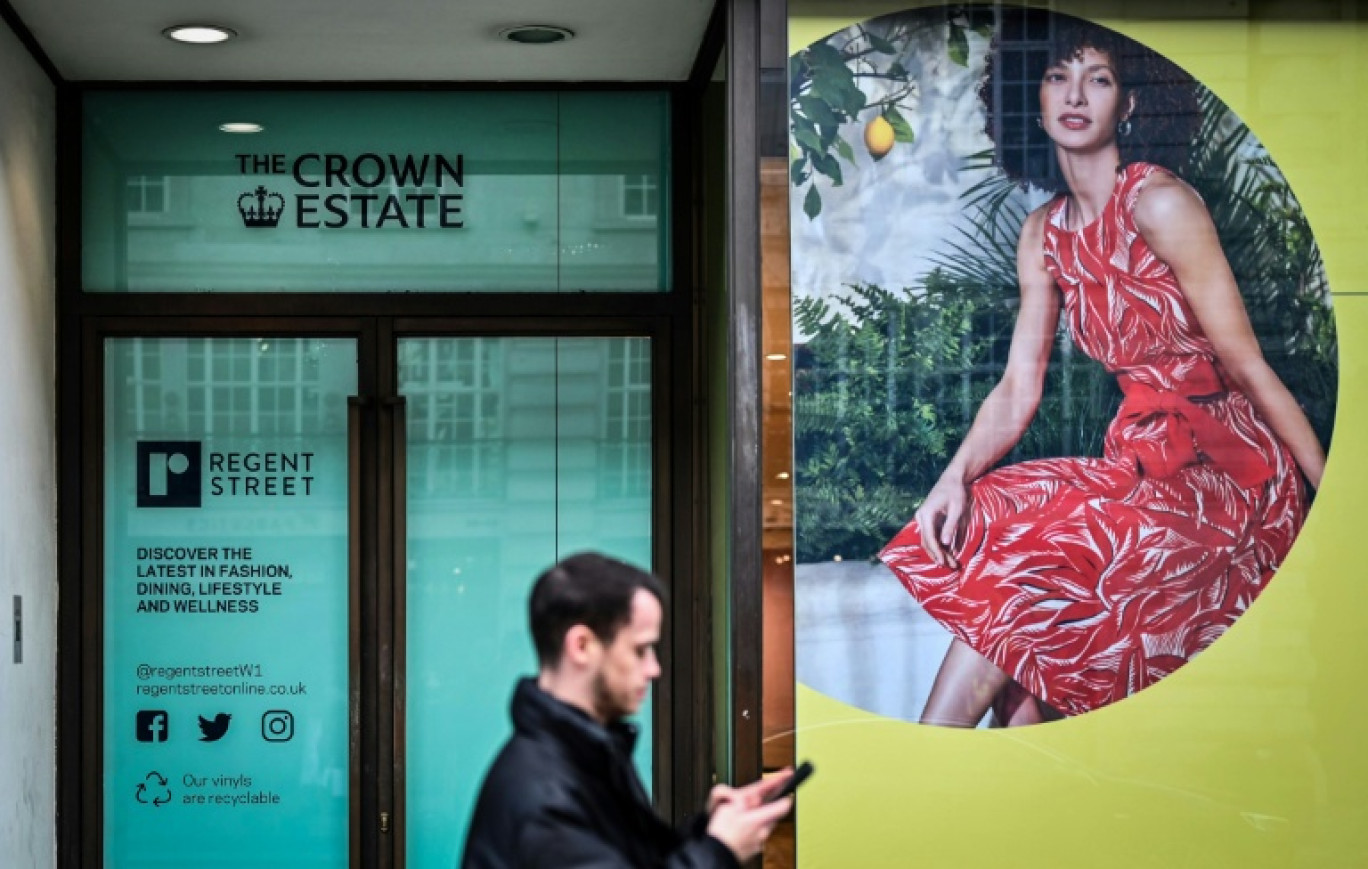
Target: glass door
{"x":313,"y":605}
{"x":519,"y":451}
{"x":228,"y":589}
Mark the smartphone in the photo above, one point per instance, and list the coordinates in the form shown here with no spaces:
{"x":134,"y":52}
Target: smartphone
{"x":799,"y":776}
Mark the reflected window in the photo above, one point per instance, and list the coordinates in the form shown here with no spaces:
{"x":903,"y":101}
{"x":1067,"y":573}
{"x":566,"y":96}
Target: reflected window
{"x":455,"y":424}
{"x":626,"y":446}
{"x":640,"y":196}
{"x":151,"y":410}
{"x":148,"y":194}
{"x":262,"y":387}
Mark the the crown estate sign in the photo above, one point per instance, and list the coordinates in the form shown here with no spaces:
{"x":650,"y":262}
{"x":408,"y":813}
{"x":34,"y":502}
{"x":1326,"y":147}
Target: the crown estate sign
{"x":361,"y":191}
{"x":385,"y":191}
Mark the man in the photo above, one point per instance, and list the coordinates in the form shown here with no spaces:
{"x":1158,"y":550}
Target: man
{"x":563,"y":792}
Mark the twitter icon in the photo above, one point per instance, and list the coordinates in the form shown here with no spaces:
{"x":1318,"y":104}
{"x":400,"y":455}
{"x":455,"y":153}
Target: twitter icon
{"x":213,"y":730}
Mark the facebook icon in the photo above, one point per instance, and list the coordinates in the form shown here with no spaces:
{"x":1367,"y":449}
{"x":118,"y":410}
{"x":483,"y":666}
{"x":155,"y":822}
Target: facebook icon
{"x":153,"y":725}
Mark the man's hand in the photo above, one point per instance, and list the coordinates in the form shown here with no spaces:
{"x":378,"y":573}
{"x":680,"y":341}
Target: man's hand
{"x":720,"y":794}
{"x":741,"y":819}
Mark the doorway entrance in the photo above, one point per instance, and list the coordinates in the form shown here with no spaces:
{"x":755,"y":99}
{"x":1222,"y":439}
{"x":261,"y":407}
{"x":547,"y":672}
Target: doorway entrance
{"x":315,"y":542}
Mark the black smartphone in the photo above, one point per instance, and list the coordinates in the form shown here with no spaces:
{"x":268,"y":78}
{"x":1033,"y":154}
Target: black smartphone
{"x":799,"y":776}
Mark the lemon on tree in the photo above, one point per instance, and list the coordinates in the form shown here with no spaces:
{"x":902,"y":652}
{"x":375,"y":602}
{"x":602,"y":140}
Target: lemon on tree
{"x":878,"y":137}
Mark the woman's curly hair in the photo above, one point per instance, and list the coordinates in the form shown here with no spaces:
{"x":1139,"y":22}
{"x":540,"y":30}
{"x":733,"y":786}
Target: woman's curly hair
{"x":1027,"y":42}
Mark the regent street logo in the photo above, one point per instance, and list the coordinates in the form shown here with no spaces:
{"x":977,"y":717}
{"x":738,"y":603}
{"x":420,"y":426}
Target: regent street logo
{"x":364,"y":191}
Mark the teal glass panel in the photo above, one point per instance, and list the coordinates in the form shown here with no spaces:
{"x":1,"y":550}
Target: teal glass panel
{"x":614,"y":196}
{"x":520,"y":451}
{"x":226,"y":601}
{"x":375,"y":192}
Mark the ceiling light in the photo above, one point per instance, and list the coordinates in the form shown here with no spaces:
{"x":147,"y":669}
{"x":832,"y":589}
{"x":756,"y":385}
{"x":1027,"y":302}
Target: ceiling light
{"x":537,"y":34}
{"x":776,"y":357}
{"x":241,"y":127}
{"x":199,"y":34}
{"x":783,"y":475}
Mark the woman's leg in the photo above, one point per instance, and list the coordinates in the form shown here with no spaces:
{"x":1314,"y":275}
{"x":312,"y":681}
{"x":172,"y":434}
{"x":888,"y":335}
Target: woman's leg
{"x":1016,"y":707}
{"x":1027,"y":713}
{"x":964,"y":688}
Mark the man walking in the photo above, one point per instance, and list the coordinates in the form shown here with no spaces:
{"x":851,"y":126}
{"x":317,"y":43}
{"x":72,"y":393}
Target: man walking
{"x":563,"y":792}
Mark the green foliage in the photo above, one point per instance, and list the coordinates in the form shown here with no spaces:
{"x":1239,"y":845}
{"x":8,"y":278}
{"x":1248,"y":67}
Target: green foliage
{"x":957,"y":45}
{"x":880,"y":400}
{"x":825,"y":94}
{"x":902,"y":130}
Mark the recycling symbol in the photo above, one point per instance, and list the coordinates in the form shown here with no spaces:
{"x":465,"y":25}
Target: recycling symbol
{"x":152,"y":789}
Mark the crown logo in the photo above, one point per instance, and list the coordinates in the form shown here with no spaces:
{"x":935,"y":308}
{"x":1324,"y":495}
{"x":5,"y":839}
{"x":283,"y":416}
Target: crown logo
{"x":266,"y":214}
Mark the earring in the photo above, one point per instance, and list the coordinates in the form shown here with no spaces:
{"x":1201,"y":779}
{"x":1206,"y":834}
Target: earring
{"x":1123,"y":129}
{"x":1040,"y":123}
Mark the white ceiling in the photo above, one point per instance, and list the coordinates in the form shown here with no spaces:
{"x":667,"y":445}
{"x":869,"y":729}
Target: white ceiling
{"x":369,"y":40}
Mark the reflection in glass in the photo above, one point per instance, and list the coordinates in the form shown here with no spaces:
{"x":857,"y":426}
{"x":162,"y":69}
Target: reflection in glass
{"x":519,"y":451}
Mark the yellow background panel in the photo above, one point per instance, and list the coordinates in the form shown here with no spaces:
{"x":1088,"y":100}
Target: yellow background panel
{"x":1253,"y":755}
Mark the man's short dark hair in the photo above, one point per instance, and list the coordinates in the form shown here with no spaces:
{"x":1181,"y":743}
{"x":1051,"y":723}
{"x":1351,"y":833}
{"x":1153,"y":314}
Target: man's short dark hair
{"x":584,"y":589}
{"x":1027,"y":42}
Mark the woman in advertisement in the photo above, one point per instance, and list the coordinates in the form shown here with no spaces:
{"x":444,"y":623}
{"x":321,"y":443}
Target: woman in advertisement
{"x":1070,"y":583}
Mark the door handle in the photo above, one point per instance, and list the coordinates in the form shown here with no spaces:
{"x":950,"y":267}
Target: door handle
{"x":393,"y":526}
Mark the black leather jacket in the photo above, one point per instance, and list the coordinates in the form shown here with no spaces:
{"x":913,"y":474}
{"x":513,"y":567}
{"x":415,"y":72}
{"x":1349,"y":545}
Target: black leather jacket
{"x":563,"y":793}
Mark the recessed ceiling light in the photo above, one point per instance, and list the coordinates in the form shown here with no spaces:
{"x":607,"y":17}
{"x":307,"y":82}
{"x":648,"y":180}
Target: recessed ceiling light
{"x":241,"y":127}
{"x":537,"y":34}
{"x":199,"y":34}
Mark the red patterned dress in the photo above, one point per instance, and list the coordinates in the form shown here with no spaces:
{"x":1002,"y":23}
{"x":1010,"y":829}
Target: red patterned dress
{"x":1087,"y":579}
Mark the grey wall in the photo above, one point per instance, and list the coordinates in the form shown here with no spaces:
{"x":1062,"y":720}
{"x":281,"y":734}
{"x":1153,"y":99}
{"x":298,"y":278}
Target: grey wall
{"x":28,"y":497}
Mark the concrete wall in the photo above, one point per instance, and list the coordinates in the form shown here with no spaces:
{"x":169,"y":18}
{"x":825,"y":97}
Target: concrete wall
{"x":28,"y":492}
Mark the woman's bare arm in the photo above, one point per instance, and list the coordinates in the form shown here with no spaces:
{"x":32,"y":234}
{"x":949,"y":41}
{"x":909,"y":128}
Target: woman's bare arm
{"x":1009,"y":407}
{"x":1175,"y":223}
